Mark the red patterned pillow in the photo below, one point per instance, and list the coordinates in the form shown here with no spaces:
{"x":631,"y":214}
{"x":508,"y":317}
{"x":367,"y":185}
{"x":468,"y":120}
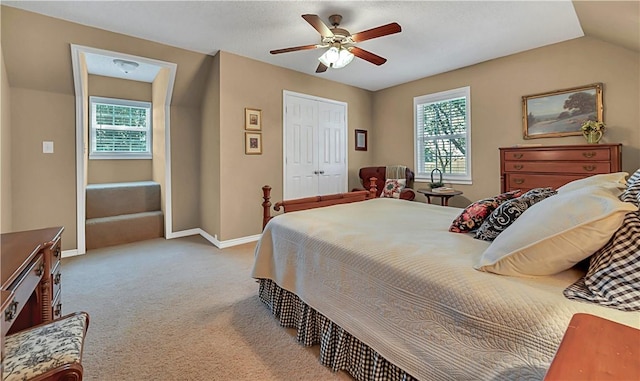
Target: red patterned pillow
{"x":473,"y":215}
{"x":393,"y":187}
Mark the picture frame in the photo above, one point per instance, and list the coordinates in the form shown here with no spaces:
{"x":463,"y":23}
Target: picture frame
{"x":252,"y":119}
{"x":561,"y":112}
{"x":361,"y":140}
{"x":253,"y":143}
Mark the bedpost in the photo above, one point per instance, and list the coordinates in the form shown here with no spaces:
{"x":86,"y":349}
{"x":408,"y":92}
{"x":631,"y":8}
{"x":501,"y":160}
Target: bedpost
{"x":373,"y":188}
{"x":266,"y":205}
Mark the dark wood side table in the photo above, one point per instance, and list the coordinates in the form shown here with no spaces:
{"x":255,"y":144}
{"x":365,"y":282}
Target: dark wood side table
{"x":596,"y":349}
{"x":444,"y":196}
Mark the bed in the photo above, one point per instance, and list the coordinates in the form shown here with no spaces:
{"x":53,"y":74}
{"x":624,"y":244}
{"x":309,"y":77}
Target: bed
{"x":390,"y":293}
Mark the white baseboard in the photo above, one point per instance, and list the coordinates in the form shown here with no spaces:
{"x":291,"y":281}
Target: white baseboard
{"x":70,"y":253}
{"x":189,"y":232}
{"x":214,"y":239}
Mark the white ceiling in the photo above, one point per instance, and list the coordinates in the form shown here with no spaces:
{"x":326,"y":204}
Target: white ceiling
{"x":436,"y":37}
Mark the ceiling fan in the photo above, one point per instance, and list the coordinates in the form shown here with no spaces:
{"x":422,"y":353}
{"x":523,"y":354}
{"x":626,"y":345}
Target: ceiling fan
{"x":341,"y":43}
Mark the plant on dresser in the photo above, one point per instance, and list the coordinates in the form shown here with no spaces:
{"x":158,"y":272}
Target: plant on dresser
{"x":526,"y":168}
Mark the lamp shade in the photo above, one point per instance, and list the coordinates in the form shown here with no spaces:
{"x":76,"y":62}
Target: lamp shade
{"x":336,"y":58}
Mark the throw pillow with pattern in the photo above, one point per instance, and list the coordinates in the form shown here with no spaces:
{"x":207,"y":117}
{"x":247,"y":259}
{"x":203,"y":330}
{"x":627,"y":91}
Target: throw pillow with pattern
{"x":613,"y":278}
{"x":632,"y":193}
{"x":504,"y":215}
{"x":473,"y":215}
{"x":393,"y":187}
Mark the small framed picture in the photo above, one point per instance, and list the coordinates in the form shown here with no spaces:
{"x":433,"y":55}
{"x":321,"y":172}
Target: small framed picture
{"x":252,"y":143}
{"x":361,"y":140}
{"x":252,"y":119}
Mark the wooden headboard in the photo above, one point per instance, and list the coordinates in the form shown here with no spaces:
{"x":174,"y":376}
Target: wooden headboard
{"x":526,"y":168}
{"x":313,"y":202}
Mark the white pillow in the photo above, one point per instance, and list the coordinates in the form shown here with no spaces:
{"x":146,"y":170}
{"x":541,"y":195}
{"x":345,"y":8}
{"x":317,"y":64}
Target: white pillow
{"x":556,"y":233}
{"x":616,"y":179}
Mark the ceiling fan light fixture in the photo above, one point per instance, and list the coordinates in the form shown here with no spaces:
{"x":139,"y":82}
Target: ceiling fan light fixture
{"x":336,"y":58}
{"x":126,"y":66}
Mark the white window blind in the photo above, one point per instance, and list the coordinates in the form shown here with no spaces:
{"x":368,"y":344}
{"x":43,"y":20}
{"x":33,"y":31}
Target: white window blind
{"x":443,"y":135}
{"x":120,"y":129}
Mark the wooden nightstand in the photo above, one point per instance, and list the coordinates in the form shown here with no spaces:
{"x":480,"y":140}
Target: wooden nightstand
{"x":594,"y":348}
{"x":444,"y":196}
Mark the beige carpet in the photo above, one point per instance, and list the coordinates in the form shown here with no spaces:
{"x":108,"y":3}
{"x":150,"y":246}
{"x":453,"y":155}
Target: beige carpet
{"x":180,"y":310}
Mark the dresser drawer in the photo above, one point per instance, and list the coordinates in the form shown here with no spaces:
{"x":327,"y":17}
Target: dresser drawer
{"x":56,"y":279}
{"x":591,"y":167}
{"x":525,"y":182}
{"x":595,"y":154}
{"x":57,"y":305}
{"x":22,"y":289}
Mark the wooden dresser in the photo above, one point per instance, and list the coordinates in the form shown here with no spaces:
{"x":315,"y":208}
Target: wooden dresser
{"x":30,"y":278}
{"x":526,"y":168}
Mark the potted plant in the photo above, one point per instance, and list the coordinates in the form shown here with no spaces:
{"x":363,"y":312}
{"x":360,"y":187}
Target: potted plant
{"x":592,"y":130}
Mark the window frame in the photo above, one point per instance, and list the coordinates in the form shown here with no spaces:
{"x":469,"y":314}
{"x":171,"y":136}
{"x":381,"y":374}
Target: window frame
{"x":418,"y":139}
{"x":98,"y":155}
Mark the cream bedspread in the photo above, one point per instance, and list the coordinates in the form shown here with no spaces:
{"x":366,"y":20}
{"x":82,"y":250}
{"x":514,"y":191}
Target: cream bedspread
{"x":389,"y":272}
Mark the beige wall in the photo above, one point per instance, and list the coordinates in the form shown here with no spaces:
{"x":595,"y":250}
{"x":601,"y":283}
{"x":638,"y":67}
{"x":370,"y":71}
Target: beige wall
{"x":249,"y":83}
{"x":114,"y":171}
{"x":37,"y":55}
{"x":43,"y":184}
{"x":497,"y":88}
{"x":6,"y":214}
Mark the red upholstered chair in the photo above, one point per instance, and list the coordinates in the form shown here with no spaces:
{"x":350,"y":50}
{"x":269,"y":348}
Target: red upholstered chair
{"x":380,"y":174}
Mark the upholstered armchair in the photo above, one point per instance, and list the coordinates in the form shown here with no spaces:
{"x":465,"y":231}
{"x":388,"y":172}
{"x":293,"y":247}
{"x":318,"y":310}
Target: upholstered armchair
{"x":380,"y":173}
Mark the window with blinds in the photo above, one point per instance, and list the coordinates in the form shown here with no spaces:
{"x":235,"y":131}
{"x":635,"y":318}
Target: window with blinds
{"x":443,"y":135}
{"x":120,"y":129}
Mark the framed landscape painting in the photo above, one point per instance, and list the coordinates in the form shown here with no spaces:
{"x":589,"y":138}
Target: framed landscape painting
{"x":561,"y":112}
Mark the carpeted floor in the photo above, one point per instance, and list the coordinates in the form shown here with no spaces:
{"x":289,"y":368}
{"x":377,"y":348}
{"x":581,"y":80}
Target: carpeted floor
{"x":180,"y":310}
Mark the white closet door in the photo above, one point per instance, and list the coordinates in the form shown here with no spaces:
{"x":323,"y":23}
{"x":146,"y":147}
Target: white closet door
{"x":301,"y":155}
{"x":315,"y":147}
{"x":331,"y":148}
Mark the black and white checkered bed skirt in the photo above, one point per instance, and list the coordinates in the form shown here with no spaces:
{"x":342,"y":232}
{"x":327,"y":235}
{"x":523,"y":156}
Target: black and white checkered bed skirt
{"x":339,"y":350}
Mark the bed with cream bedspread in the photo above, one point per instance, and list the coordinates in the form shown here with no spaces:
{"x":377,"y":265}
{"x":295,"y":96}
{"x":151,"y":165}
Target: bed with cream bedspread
{"x":390,"y":273}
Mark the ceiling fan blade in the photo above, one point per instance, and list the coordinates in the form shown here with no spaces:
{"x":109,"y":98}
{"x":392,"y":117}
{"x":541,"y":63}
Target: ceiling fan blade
{"x":295,"y":49}
{"x":380,"y":31}
{"x":367,"y":55}
{"x":321,"y":68}
{"x":320,"y":26}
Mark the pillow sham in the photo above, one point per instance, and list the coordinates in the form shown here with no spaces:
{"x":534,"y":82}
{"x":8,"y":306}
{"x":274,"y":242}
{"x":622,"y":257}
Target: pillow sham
{"x":613,"y":278}
{"x":616,"y":179}
{"x":556,"y":233}
{"x":509,"y":211}
{"x":473,"y":215}
{"x":393,"y":187}
{"x":632,"y":193}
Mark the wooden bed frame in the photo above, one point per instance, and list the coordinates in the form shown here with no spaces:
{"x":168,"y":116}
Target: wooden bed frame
{"x":315,"y":201}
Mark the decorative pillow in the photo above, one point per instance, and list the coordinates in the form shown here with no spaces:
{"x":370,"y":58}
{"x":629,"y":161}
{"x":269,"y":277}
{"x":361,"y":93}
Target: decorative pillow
{"x":556,"y":233}
{"x":393,"y":187}
{"x":632,"y":193}
{"x":616,"y":179}
{"x":509,"y":211}
{"x":473,"y":215}
{"x":613,"y":278}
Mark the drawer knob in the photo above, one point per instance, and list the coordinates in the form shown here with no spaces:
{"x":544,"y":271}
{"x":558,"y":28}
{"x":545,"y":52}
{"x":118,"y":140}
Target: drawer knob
{"x":56,"y":279}
{"x":56,"y":252}
{"x":518,"y":181}
{"x":40,"y":270}
{"x":11,"y":311}
{"x":518,"y":166}
{"x":589,"y":155}
{"x":589,"y":168}
{"x":58,"y":310}
{"x":517,"y":155}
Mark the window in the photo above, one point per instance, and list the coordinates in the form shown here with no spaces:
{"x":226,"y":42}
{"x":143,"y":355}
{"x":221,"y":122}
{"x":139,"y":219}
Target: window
{"x":120,"y":129}
{"x":443,"y":135}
